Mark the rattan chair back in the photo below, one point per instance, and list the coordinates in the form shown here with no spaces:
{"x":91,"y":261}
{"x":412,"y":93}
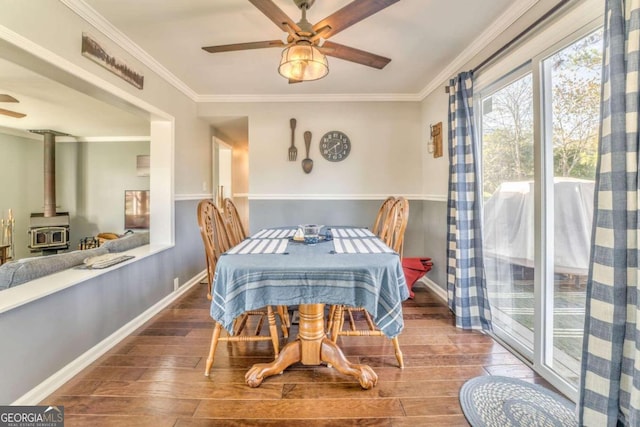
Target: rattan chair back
{"x":214,"y":236}
{"x":235,"y":228}
{"x":381,"y":224}
{"x":398,"y":225}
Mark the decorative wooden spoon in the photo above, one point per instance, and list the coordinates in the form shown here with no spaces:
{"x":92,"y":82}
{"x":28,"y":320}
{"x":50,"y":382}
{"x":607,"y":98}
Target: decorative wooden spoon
{"x":307,"y":163}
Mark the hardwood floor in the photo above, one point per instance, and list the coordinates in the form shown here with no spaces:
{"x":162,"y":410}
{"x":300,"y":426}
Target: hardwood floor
{"x":155,"y":376}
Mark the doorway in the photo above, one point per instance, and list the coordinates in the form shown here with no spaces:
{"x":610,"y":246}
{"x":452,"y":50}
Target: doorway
{"x":230,"y":163}
{"x":222,"y":171}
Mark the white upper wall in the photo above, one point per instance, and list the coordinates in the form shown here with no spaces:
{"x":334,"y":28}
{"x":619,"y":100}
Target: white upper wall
{"x":435,"y":171}
{"x":386,"y":152}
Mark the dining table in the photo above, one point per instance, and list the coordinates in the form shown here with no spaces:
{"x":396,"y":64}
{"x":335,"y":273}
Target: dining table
{"x":348,"y":265}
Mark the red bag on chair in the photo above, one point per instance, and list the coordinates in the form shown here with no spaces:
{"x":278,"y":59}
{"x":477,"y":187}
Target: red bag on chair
{"x":414,"y":269}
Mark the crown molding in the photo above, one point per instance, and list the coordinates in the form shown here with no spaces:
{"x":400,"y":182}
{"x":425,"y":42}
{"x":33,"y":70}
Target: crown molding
{"x":314,"y":97}
{"x":515,"y":11}
{"x":90,"y":15}
{"x":511,"y":15}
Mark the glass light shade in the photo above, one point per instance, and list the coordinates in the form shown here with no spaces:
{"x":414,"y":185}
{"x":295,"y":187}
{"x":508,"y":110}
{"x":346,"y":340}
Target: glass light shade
{"x":303,"y":62}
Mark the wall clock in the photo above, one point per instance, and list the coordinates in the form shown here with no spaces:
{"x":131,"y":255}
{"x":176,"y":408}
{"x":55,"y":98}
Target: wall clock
{"x":335,"y":146}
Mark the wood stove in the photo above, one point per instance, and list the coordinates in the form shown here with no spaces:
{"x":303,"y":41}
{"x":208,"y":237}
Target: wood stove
{"x":49,"y":234}
{"x":49,"y":231}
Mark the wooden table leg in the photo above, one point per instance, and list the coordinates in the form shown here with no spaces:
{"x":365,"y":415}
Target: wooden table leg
{"x":311,"y":347}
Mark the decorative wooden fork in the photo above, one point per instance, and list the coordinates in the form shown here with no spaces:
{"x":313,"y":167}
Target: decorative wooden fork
{"x":293,"y":151}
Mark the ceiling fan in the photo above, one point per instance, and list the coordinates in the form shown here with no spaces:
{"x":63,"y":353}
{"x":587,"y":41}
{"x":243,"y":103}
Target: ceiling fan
{"x":8,"y":98}
{"x":303,"y":33}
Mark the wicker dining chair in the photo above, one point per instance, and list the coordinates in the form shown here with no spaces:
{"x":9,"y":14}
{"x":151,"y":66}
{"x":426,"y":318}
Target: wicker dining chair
{"x":397,"y":218}
{"x":216,"y":242}
{"x":398,"y":225}
{"x":382,"y":222}
{"x":236,"y":230}
{"x":237,"y":234}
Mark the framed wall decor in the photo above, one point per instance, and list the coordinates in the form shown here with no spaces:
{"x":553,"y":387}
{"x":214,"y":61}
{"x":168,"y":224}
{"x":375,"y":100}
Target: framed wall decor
{"x":94,"y":51}
{"x":435,"y":144}
{"x":136,"y":209}
{"x":142,"y":165}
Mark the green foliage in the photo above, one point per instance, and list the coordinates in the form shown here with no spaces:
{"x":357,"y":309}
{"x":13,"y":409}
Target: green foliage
{"x":508,"y":135}
{"x":573,"y":76}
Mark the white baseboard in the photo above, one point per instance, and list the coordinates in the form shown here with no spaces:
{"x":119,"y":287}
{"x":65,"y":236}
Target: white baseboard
{"x":55,"y":381}
{"x":433,"y":286}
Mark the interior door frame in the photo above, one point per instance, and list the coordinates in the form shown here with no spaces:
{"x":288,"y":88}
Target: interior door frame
{"x":218,"y":147}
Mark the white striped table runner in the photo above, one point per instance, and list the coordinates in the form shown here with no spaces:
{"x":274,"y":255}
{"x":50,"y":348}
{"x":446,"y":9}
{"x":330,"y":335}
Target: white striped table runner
{"x":260,"y":246}
{"x":351,"y":232}
{"x":274,"y":233}
{"x":268,"y":241}
{"x":357,"y":241}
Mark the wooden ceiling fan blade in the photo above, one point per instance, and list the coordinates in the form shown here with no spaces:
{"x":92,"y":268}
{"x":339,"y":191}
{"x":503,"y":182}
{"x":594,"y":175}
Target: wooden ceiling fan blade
{"x":7,"y":98}
{"x":12,"y":113}
{"x":292,"y":81}
{"x":244,"y":46}
{"x":354,"y":55}
{"x":273,"y":12}
{"x":351,"y":14}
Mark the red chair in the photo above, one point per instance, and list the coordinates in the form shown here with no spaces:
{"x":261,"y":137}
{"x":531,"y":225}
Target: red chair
{"x":414,"y":269}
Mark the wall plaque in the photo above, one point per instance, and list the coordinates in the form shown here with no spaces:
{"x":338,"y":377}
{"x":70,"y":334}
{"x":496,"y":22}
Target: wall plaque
{"x":91,"y":49}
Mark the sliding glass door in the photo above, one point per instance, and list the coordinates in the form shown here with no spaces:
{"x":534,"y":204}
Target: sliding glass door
{"x":507,"y":159}
{"x":571,"y":79}
{"x":539,"y":155}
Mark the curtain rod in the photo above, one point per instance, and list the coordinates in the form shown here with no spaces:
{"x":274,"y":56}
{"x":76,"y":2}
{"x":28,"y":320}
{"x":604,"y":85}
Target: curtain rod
{"x":520,"y":35}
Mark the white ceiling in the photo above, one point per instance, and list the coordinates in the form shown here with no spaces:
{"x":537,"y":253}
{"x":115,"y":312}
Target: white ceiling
{"x":423,"y":38}
{"x":420,"y":36}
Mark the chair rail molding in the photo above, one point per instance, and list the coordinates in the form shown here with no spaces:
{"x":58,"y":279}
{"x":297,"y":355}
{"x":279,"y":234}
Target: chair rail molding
{"x":192,"y":196}
{"x":280,"y":196}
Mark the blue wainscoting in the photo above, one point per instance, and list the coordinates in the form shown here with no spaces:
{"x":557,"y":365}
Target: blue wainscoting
{"x":425,"y":235}
{"x":43,"y":336}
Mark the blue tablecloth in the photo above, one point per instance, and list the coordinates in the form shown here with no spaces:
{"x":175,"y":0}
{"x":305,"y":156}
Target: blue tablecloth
{"x":310,"y":274}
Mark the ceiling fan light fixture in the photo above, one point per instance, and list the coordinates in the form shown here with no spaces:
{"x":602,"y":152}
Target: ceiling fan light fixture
{"x":303,"y":62}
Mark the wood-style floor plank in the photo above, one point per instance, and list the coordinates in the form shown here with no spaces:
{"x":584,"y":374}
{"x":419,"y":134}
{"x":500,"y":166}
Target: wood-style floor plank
{"x":155,"y":376}
{"x":118,"y":420}
{"x":302,"y":408}
{"x":108,"y":405}
{"x":425,"y":389}
{"x":199,"y":390}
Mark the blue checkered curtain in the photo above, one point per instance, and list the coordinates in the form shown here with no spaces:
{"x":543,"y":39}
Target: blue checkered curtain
{"x":610,"y":384}
{"x":466,"y":285}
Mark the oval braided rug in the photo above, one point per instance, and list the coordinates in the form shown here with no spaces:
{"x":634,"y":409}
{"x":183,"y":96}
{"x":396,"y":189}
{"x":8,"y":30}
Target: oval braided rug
{"x":503,"y":402}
